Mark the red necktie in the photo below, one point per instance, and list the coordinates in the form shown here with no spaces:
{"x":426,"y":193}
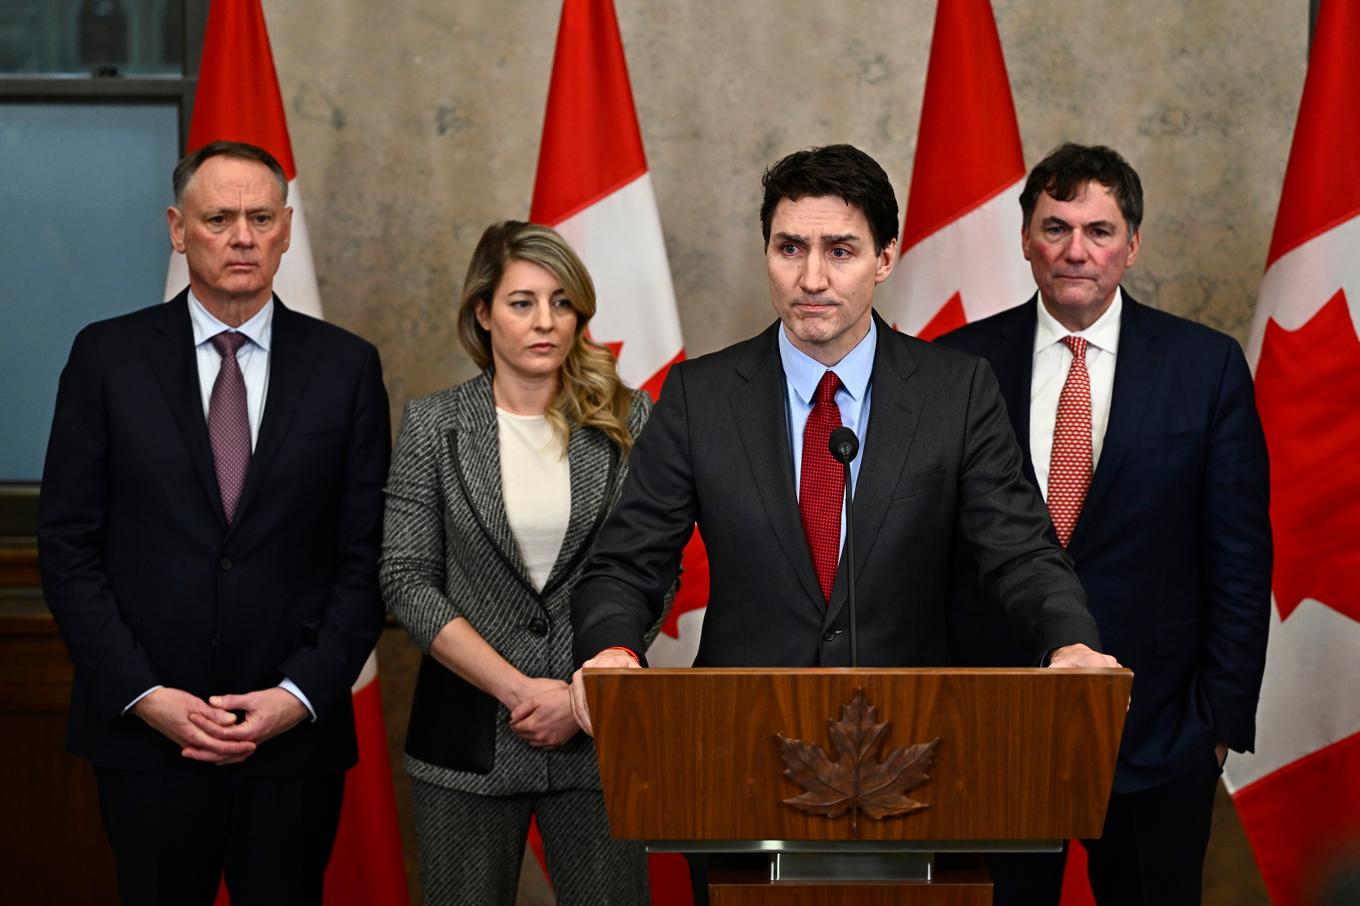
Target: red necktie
{"x":821,"y":486}
{"x":1069,"y":474}
{"x":229,"y":422}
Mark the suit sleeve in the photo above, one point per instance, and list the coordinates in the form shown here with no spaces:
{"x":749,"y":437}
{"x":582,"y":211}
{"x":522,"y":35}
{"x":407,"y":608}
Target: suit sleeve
{"x":354,"y":613}
{"x":72,"y":522}
{"x":630,"y":577}
{"x":414,"y":559}
{"x":1237,"y":549}
{"x":1003,"y":519}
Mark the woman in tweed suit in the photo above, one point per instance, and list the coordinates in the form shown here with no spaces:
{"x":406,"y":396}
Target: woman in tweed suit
{"x":496,"y":491}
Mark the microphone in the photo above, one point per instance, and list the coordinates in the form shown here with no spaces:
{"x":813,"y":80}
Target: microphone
{"x":844,"y":445}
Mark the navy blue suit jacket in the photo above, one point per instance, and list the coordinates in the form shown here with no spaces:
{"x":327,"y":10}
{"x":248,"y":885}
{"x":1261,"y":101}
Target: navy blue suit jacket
{"x":1173,"y":542}
{"x":148,"y":583}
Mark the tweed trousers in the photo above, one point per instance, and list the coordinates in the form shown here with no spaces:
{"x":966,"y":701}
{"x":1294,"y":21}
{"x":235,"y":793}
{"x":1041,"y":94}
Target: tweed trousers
{"x":471,"y":847}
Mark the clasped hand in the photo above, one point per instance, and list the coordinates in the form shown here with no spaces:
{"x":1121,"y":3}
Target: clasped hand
{"x":211,"y":731}
{"x":541,"y":714}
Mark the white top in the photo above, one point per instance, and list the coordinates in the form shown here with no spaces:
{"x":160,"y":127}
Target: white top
{"x":536,"y":488}
{"x":1052,"y":361}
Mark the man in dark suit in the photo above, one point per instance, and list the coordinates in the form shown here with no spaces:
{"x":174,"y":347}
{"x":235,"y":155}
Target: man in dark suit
{"x":738,"y":444}
{"x":1141,"y":430}
{"x":208,"y":536}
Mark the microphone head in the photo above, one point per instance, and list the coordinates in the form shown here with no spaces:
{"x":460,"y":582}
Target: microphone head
{"x":843,"y":445}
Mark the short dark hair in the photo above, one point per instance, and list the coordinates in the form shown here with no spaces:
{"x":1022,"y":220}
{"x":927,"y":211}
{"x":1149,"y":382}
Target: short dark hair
{"x":188,"y":166}
{"x":842,"y":171}
{"x":1067,"y":171}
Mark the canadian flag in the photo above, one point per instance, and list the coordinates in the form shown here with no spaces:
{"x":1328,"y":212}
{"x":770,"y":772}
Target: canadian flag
{"x":1298,"y":794}
{"x":960,"y":245}
{"x":961,"y":258}
{"x":593,"y":187}
{"x":238,"y":100}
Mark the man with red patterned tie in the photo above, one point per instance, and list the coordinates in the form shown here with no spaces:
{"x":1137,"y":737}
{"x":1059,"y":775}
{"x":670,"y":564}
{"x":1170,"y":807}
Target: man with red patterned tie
{"x":208,"y":534}
{"x":1140,"y":429}
{"x":738,"y":444}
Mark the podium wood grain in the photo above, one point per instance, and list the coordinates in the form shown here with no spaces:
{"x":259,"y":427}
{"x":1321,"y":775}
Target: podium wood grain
{"x":691,"y":754}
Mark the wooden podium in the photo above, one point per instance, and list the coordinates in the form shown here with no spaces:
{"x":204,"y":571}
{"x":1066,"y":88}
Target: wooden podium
{"x":692,"y":760}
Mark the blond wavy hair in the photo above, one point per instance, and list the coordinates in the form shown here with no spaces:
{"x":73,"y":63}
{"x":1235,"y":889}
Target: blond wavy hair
{"x":591,"y":394}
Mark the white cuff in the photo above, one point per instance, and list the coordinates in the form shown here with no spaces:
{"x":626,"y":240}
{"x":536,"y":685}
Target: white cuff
{"x":292,"y":687}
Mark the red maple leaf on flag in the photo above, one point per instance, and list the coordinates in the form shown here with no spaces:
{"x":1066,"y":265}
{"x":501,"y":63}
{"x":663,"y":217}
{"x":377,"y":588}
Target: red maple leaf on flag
{"x":1307,"y":390}
{"x":951,"y":316}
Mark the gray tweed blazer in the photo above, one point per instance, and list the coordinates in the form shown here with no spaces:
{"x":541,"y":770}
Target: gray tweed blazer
{"x":448,"y":551}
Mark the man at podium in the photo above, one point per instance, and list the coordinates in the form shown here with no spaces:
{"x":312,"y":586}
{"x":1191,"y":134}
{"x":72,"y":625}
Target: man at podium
{"x":738,"y":445}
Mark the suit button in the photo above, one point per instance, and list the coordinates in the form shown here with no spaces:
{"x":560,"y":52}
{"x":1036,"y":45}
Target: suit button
{"x":829,"y":635}
{"x":538,"y":626}
{"x":226,"y":563}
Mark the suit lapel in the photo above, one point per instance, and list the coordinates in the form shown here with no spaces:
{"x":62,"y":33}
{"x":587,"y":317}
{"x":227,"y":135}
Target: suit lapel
{"x":175,"y":363}
{"x":1137,"y":363}
{"x":592,"y":459}
{"x":476,"y":452}
{"x":292,"y":356}
{"x":894,"y":410}
{"x":759,"y":407}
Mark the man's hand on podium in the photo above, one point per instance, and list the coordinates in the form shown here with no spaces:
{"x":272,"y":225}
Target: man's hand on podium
{"x":1071,"y":656}
{"x":610,"y":657}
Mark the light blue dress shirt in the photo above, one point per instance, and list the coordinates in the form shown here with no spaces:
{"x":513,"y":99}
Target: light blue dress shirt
{"x":802,"y":374}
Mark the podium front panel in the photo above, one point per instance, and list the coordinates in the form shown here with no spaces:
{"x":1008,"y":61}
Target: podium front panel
{"x":694,"y":754}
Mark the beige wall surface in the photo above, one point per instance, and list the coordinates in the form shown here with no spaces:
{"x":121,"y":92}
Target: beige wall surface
{"x":416,"y":123}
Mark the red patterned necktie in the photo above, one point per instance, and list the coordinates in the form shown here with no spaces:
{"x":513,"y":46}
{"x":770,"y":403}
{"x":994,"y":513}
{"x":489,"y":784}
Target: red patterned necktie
{"x":821,"y":486}
{"x":1069,"y":474}
{"x":229,"y":422}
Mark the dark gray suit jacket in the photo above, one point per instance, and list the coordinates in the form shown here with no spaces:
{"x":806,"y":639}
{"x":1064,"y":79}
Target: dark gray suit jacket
{"x":940,"y":463}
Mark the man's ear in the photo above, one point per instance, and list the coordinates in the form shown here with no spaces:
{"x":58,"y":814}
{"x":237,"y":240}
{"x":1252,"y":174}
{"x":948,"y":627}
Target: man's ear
{"x":1135,"y":243}
{"x":175,"y":219}
{"x":887,"y":260}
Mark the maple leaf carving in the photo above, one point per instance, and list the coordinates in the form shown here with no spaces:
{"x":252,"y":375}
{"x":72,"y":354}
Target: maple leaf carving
{"x":855,"y":781}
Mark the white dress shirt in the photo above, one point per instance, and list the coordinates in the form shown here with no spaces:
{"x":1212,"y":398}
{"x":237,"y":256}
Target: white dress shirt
{"x":1052,"y":361}
{"x":252,"y":357}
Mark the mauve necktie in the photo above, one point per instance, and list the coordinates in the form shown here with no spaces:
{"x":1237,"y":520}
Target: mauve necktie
{"x":1069,"y":475}
{"x":229,"y":422}
{"x":821,"y":487}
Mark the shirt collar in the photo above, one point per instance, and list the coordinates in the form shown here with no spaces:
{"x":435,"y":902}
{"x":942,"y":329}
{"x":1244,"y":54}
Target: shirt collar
{"x":1103,"y":334}
{"x":258,"y":330}
{"x":803,"y":372}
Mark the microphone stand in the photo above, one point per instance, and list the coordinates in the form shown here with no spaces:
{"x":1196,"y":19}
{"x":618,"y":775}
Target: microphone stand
{"x":844,"y":446}
{"x":850,"y":561}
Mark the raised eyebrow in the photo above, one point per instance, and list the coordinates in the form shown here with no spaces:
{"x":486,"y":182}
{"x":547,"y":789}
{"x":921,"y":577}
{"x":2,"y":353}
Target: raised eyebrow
{"x":841,"y":239}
